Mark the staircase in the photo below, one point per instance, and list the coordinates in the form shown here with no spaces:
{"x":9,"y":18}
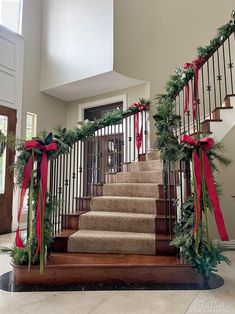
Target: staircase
{"x":129,"y":217}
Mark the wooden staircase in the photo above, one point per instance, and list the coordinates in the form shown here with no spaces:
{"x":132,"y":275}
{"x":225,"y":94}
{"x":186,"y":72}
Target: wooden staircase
{"x":122,"y":239}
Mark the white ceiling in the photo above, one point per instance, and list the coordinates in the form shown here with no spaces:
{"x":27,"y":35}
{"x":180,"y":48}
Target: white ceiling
{"x":93,"y":86}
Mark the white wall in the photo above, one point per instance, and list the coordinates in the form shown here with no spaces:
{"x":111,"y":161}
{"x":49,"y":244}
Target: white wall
{"x":77,"y":40}
{"x":50,"y":111}
{"x":132,"y":95}
{"x":152,"y":38}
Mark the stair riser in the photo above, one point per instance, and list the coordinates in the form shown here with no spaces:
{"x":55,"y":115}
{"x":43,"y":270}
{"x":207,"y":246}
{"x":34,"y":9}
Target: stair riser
{"x":125,"y":246}
{"x":125,"y":206}
{"x":160,"y":207}
{"x":164,"y":248}
{"x":146,"y":225}
{"x":162,"y":227}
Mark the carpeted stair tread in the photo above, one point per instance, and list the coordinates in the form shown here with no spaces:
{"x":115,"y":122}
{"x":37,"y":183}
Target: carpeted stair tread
{"x":131,"y":189}
{"x":149,"y":165}
{"x":117,"y":221}
{"x":138,"y":177}
{"x":127,"y":204}
{"x":94,"y":241}
{"x":152,"y":155}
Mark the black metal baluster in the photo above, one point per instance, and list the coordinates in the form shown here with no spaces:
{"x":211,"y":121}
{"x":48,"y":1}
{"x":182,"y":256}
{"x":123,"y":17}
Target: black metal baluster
{"x":66,"y":184}
{"x":81,"y":173}
{"x":141,"y":132}
{"x":214,"y":81}
{"x":102,"y":156}
{"x":170,"y":200}
{"x":192,"y":96}
{"x":60,"y":194}
{"x":225,"y":76}
{"x":188,"y":116}
{"x":145,"y":130}
{"x":219,"y":76}
{"x":126,"y":141}
{"x":56,"y":196}
{"x":134,"y":136}
{"x":230,"y":65}
{"x":129,"y":140}
{"x":70,"y":180}
{"x":203,"y":94}
{"x":184,"y":128}
{"x":209,"y":87}
{"x":78,"y":181}
{"x":74,"y":176}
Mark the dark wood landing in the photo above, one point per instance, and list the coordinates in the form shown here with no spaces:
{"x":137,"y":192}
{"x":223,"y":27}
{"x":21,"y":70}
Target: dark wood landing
{"x":81,"y":268}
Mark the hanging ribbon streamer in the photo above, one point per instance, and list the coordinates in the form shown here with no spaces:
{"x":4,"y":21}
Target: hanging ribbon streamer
{"x":138,"y":134}
{"x":187,"y":90}
{"x":204,"y":169}
{"x":31,"y":145}
{"x":196,"y":64}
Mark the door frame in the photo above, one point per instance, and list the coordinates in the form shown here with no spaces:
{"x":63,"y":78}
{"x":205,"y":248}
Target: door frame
{"x":9,"y":179}
{"x":99,"y":103}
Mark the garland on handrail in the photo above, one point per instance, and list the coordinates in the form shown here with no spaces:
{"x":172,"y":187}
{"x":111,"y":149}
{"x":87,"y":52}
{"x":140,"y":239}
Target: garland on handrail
{"x":38,"y":151}
{"x":192,"y":231}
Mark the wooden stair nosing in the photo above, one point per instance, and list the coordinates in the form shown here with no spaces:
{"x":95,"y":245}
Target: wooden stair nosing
{"x":80,"y":268}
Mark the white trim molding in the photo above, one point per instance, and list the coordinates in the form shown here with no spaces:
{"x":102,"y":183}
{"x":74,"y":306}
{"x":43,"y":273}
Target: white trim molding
{"x":101,"y":102}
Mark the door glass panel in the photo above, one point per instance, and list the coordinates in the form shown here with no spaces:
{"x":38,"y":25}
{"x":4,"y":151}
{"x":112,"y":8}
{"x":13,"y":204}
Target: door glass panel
{"x":3,"y":134}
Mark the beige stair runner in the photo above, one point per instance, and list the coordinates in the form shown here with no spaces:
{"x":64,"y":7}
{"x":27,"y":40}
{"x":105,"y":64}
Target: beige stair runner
{"x":123,"y":219}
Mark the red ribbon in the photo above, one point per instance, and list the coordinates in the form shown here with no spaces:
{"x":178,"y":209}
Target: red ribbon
{"x":138,"y":135}
{"x":196,"y":64}
{"x":30,"y":145}
{"x":186,"y":95}
{"x":205,"y":144}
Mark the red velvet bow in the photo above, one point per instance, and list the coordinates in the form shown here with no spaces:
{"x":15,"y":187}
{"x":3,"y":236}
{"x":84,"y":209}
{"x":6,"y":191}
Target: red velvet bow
{"x":30,"y":146}
{"x":205,"y":144}
{"x":141,"y":107}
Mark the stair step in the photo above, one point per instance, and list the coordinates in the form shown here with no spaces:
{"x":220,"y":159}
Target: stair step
{"x":138,"y":177}
{"x":152,"y":155}
{"x":125,"y":204}
{"x":116,"y":221}
{"x":94,"y":241}
{"x":152,"y":190}
{"x":149,"y":165}
{"x":131,"y":189}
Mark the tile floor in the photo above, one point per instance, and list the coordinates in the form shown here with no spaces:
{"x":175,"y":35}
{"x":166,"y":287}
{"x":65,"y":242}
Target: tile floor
{"x":221,"y":300}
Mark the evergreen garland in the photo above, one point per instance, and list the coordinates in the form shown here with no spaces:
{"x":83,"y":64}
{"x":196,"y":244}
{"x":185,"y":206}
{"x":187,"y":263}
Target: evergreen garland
{"x":205,"y":257}
{"x":64,"y":139}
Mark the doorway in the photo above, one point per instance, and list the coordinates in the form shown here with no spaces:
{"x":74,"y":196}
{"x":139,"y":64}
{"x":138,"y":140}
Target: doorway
{"x":7,"y":126}
{"x":103,"y":152}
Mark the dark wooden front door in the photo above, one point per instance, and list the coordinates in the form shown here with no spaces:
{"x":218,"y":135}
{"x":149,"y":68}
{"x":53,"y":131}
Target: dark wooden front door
{"x":7,"y":125}
{"x":103,"y":157}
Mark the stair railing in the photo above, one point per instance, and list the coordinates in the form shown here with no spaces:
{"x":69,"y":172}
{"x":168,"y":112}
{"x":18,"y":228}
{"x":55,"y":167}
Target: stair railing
{"x":76,"y":177}
{"x":215,"y":85}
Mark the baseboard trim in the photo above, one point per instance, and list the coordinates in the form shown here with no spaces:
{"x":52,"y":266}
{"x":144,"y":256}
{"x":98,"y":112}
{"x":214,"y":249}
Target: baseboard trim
{"x":226,"y":244}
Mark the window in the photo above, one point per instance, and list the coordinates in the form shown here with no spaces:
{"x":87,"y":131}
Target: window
{"x":31,"y":125}
{"x":11,"y":14}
